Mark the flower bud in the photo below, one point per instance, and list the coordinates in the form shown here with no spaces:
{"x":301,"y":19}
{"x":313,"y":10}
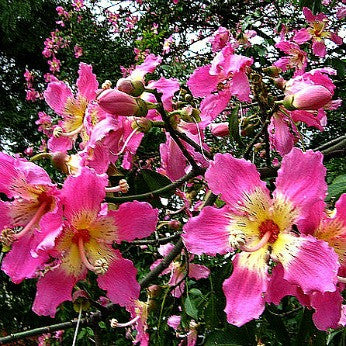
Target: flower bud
{"x":312,"y":97}
{"x":174,"y":224}
{"x":272,"y":71}
{"x":279,"y":83}
{"x":118,"y":103}
{"x":220,"y":129}
{"x":133,"y":88}
{"x":142,"y":124}
{"x":59,"y":161}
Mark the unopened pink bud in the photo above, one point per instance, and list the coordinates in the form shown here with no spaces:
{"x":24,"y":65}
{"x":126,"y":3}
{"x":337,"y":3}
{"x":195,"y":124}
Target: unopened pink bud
{"x":60,"y":160}
{"x":220,"y":129}
{"x":133,"y":88}
{"x":312,"y":97}
{"x":118,"y":103}
{"x":279,"y":83}
{"x":174,"y":224}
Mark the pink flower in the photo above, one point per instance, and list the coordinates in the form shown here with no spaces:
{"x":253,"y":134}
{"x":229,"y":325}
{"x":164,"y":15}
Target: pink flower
{"x":283,"y":133}
{"x":224,"y":78}
{"x":72,"y":109}
{"x":86,"y":244}
{"x":219,"y":129}
{"x":78,"y":5}
{"x":255,"y":223}
{"x":78,"y":51}
{"x":34,"y":201}
{"x":306,"y":97}
{"x":139,"y":314}
{"x":219,"y":39}
{"x":296,"y":58}
{"x":167,"y":45}
{"x":316,"y":32}
{"x":54,"y":65}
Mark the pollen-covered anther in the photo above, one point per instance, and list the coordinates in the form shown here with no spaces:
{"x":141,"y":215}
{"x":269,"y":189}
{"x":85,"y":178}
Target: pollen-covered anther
{"x":342,"y":279}
{"x":236,"y":238}
{"x":57,"y":132}
{"x":107,"y":84}
{"x":7,"y":236}
{"x":101,"y":266}
{"x":124,"y":186}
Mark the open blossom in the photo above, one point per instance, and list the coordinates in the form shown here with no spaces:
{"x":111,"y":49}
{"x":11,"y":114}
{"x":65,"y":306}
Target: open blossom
{"x":85,"y":243}
{"x":218,"y":82}
{"x":296,"y":58}
{"x":261,"y":227}
{"x":78,"y":51}
{"x":72,"y":108}
{"x":34,"y":200}
{"x":317,"y":32}
{"x":219,"y":39}
{"x":306,"y":98}
{"x":330,"y":227}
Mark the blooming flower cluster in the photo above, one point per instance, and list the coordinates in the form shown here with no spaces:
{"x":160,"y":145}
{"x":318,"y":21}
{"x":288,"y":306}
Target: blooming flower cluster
{"x":280,"y":237}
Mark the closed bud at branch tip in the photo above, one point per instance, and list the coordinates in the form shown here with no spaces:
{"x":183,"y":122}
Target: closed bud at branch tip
{"x":133,"y":88}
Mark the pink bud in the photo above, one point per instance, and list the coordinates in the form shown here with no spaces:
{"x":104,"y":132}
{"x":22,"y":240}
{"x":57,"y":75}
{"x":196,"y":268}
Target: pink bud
{"x":133,"y":88}
{"x":312,"y":97}
{"x":118,"y":103}
{"x":220,"y":129}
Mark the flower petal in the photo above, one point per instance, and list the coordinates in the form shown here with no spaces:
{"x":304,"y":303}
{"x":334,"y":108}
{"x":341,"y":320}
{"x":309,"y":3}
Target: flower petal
{"x":279,"y":287}
{"x":19,"y":264}
{"x":301,"y":181}
{"x":201,"y":83}
{"x":208,"y":232}
{"x":328,"y":308}
{"x":120,"y":281}
{"x":53,"y":288}
{"x":233,"y":178}
{"x":83,"y":194}
{"x":56,"y":96}
{"x":244,"y":289}
{"x":198,"y":271}
{"x":134,"y":220}
{"x":86,"y":83}
{"x":308,"y":262}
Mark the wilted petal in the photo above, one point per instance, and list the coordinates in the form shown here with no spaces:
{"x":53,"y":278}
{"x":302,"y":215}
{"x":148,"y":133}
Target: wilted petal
{"x":198,"y":271}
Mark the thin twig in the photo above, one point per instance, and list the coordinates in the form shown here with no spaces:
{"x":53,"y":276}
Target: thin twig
{"x":162,"y":190}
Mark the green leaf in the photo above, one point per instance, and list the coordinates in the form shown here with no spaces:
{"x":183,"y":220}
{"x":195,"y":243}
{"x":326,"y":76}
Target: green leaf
{"x":337,"y":187}
{"x":233,"y":125}
{"x":148,"y":180}
{"x":195,"y":292}
{"x":190,"y":308}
